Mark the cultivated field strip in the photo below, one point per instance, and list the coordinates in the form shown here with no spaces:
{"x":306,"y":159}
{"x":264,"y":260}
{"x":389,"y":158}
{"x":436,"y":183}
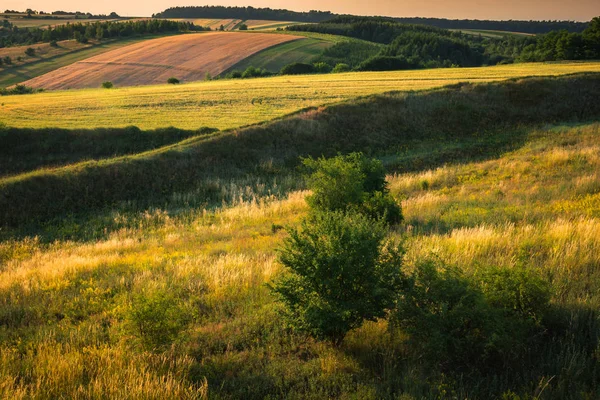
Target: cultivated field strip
{"x":187,"y":57}
{"x":225,"y":104}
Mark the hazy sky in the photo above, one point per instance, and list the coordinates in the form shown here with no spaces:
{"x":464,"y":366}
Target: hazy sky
{"x":580,"y":10}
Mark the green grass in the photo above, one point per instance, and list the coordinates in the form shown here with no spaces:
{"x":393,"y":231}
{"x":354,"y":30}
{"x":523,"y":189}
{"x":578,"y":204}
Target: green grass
{"x":500,"y":174}
{"x":21,"y":73}
{"x":225,"y":104}
{"x":276,"y":57}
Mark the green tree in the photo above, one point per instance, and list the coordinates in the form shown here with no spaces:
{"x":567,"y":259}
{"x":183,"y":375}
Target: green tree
{"x":341,"y":273}
{"x":351,"y":182}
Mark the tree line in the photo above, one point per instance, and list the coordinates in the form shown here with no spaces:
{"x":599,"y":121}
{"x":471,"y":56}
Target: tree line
{"x":13,"y":36}
{"x":419,"y":46}
{"x":244,"y":13}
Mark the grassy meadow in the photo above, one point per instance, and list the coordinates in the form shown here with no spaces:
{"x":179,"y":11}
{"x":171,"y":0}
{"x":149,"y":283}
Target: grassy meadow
{"x":70,"y":323}
{"x":225,"y":104}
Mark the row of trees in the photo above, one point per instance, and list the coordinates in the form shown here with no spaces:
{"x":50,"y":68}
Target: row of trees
{"x":244,"y":13}
{"x":533,"y":27}
{"x":96,"y":30}
{"x":56,"y":14}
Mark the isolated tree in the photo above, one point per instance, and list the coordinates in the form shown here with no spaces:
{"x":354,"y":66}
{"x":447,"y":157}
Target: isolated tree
{"x":351,"y":182}
{"x":341,"y":272}
{"x":107,"y":85}
{"x":243,"y":27}
{"x":30,"y":52}
{"x":173,"y":81}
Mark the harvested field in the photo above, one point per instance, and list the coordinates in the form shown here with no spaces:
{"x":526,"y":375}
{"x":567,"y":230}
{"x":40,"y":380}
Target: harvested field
{"x":261,"y":24}
{"x":186,"y":57}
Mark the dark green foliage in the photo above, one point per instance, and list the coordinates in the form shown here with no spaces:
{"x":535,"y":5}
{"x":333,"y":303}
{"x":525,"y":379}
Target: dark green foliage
{"x":107,"y":85}
{"x":322,"y":68}
{"x":53,"y":43}
{"x":7,"y":60}
{"x":252,"y":72}
{"x":461,"y":323}
{"x":18,"y":89}
{"x":30,"y":52}
{"x":173,"y":81}
{"x":386,"y":63}
{"x":82,"y":32}
{"x":341,"y":273}
{"x":341,"y":67}
{"x":351,"y":183}
{"x":352,"y":52}
{"x":298,"y":69}
{"x":243,"y":13}
{"x":243,"y":27}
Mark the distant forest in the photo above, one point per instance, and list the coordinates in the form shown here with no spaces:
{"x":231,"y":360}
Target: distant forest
{"x":245,"y":13}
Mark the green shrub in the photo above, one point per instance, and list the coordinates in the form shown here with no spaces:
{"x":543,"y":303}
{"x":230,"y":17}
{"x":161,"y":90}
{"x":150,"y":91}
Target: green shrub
{"x":297,"y":69}
{"x":460,"y":323}
{"x":351,"y":182}
{"x":107,"y":85}
{"x":322,"y":68}
{"x":53,"y":43}
{"x":243,"y":27}
{"x":7,"y":60}
{"x":173,"y":81}
{"x":386,"y":63}
{"x":341,"y":273}
{"x":520,"y":292}
{"x":234,"y":75}
{"x":341,"y":67}
{"x":156,"y":319}
{"x":30,"y":52}
{"x":253,"y":72}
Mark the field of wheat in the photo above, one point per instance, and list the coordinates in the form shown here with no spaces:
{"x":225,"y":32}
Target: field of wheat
{"x":227,"y":104}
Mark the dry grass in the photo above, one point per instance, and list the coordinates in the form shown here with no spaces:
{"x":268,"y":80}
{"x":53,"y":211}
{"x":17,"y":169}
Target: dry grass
{"x":216,"y":263}
{"x":187,"y":57}
{"x":227,"y":104}
{"x":214,"y":24}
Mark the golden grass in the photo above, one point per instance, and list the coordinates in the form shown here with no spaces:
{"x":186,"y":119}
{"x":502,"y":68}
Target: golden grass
{"x":228,"y":104}
{"x":186,"y":57}
{"x":220,"y":260}
{"x":214,"y":24}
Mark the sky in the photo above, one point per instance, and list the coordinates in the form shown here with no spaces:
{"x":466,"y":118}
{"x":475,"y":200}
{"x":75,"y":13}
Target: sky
{"x":578,"y":10}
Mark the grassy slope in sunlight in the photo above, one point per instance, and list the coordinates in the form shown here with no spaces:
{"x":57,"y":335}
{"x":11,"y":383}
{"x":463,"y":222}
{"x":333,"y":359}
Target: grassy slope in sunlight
{"x":225,"y":104}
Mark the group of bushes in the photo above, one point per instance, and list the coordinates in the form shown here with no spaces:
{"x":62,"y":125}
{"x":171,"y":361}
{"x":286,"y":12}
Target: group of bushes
{"x":19,"y":89}
{"x":342,"y":270}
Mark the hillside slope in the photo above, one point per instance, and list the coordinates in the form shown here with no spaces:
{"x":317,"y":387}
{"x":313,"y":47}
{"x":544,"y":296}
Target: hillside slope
{"x":414,"y":129}
{"x":186,"y":57}
{"x":226,"y":104}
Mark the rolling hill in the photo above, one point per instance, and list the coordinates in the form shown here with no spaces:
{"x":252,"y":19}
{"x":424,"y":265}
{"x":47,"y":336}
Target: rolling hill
{"x":225,"y":104}
{"x":187,"y":57}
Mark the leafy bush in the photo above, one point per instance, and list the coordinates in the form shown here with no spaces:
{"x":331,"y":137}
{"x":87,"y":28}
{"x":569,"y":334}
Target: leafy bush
{"x":322,"y":68}
{"x":53,"y":43}
{"x":351,"y":182}
{"x":7,"y":60}
{"x":297,"y":69}
{"x":173,"y":81}
{"x":243,"y":27}
{"x":253,"y":72}
{"x":30,"y":52}
{"x":386,"y":63}
{"x":18,"y":89}
{"x":341,"y":67}
{"x":156,"y":319}
{"x":341,"y":273}
{"x":459,"y":323}
{"x":107,"y":85}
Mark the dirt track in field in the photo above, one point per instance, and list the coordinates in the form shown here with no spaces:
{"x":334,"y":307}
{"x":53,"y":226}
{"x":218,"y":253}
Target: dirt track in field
{"x":186,"y":57}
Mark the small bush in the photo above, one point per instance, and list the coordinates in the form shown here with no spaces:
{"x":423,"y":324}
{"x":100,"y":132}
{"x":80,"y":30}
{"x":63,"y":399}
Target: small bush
{"x":18,"y":89}
{"x":341,"y":67}
{"x":322,"y":68}
{"x":156,"y":319}
{"x":341,"y":273}
{"x":7,"y":60}
{"x":243,"y":27}
{"x":351,"y":182}
{"x":385,"y":63}
{"x":253,"y":72}
{"x":460,"y":323}
{"x":173,"y":81}
{"x":234,"y":75}
{"x":53,"y":43}
{"x":30,"y":52}
{"x":208,"y":77}
{"x":297,"y":69}
{"x":107,"y":85}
